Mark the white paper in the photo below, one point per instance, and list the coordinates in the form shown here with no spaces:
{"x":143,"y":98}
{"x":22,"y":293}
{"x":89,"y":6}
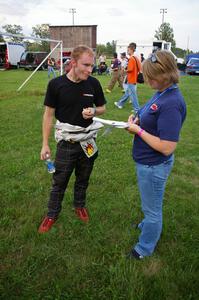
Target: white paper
{"x":117,"y":124}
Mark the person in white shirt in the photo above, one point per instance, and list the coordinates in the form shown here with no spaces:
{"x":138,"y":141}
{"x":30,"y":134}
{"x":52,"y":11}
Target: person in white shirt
{"x":124,"y":64}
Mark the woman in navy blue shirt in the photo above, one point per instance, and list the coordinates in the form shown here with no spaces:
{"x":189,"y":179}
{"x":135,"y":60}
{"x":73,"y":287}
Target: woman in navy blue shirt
{"x":156,"y":127}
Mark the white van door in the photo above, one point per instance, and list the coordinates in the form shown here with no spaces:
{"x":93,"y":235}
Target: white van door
{"x":15,"y":51}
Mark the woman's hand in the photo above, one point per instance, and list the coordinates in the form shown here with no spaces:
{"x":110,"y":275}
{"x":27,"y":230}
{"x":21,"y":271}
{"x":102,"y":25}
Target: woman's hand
{"x":133,"y":119}
{"x":133,"y":128}
{"x":133,"y":124}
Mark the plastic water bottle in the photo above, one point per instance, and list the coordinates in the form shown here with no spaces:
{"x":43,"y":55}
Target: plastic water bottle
{"x":49,"y":164}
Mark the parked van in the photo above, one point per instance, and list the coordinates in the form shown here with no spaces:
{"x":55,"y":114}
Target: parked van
{"x":31,"y":60}
{"x":10,"y":53}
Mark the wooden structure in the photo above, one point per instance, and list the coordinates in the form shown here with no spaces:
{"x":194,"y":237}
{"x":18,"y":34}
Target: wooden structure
{"x":73,"y":36}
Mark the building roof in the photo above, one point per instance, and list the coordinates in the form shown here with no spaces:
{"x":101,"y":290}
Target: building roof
{"x":72,"y":25}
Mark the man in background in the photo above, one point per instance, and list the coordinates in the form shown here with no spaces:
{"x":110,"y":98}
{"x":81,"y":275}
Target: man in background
{"x":116,"y":74}
{"x":133,"y":69}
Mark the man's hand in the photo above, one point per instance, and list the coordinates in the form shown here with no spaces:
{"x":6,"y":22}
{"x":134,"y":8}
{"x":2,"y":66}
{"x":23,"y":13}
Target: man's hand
{"x":88,"y":112}
{"x":46,"y":128}
{"x":45,"y":152}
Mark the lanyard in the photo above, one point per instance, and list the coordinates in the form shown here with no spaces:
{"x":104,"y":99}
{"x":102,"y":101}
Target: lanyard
{"x":154,"y":99}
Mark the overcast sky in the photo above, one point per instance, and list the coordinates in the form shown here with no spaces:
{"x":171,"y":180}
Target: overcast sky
{"x":128,"y":20}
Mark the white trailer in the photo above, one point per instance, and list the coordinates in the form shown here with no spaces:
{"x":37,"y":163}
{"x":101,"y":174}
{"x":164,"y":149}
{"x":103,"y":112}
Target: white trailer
{"x":145,"y":47}
{"x":10,"y":53}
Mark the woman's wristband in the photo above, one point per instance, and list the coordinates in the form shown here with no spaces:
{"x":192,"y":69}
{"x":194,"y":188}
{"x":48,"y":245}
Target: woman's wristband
{"x":140,"y":132}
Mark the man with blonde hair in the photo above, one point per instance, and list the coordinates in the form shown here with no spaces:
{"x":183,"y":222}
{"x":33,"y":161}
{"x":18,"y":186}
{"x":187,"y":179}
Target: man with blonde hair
{"x":74,"y":99}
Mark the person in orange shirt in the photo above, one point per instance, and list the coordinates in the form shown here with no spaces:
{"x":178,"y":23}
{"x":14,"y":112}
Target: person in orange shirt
{"x":133,"y":69}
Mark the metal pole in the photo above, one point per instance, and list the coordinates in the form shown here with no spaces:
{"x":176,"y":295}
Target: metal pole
{"x":38,"y":67}
{"x":73,"y":11}
{"x":28,"y":37}
{"x":61,"y":58}
{"x":163,"y":11}
{"x":188,"y":44}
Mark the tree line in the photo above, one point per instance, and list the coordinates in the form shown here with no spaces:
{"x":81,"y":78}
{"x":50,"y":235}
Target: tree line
{"x":164,"y":32}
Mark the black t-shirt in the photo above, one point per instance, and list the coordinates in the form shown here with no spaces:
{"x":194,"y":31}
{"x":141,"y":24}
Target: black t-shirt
{"x":69,"y":98}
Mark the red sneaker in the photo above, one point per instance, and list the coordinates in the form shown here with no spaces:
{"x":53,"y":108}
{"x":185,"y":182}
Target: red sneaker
{"x":82,"y":213}
{"x":46,"y":224}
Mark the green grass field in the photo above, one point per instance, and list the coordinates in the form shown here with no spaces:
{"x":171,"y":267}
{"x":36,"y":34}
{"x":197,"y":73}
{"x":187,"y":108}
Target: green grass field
{"x":88,"y":262}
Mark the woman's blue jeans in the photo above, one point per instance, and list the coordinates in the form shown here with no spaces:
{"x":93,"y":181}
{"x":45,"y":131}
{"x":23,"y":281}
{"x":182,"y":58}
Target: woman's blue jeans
{"x":151,"y":182}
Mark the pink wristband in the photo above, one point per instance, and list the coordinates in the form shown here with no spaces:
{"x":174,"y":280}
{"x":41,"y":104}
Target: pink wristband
{"x":140,"y":132}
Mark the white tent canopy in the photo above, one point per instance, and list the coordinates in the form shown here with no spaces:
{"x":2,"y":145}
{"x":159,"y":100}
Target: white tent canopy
{"x":59,"y":43}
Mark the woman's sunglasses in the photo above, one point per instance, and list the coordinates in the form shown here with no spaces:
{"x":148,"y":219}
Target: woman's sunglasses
{"x":153,"y":58}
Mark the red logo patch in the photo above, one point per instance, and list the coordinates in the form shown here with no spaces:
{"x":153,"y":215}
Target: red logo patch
{"x":154,"y":106}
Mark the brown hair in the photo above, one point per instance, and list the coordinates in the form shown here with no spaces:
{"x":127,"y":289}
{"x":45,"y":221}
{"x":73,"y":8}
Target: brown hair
{"x":161,"y":66}
{"x":132,"y":46}
{"x":78,"y":51}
